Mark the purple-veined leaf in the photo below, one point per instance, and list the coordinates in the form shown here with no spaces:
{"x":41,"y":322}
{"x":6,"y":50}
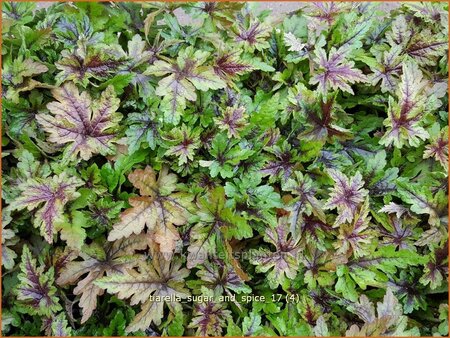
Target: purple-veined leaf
{"x":324,"y":14}
{"x":311,"y":229}
{"x":57,"y":326}
{"x":227,"y":154}
{"x":86,"y":125}
{"x":401,"y":234}
{"x":405,"y":115}
{"x":354,"y":237}
{"x":228,"y":66}
{"x":387,"y":69}
{"x":80,"y":66}
{"x":421,"y":45}
{"x":181,"y":79}
{"x":282,"y":263}
{"x":400,"y":34}
{"x":233,"y":120}
{"x":97,"y":261}
{"x":19,"y":70}
{"x":438,"y":147}
{"x":9,"y":238}
{"x":61,"y":258}
{"x":251,"y":34}
{"x":305,"y":202}
{"x":282,"y":165}
{"x":139,"y":55}
{"x":379,"y":181}
{"x":159,"y":208}
{"x":423,"y":201}
{"x":319,"y":116}
{"x":356,"y":26}
{"x":143,"y":127}
{"x":325,"y":11}
{"x":221,"y":277}
{"x":164,"y":280}
{"x":69,"y":30}
{"x":215,"y":223}
{"x":50,"y":195}
{"x":431,"y":12}
{"x":437,"y":268}
{"x":314,"y":261}
{"x":27,"y":167}
{"x":184,"y":142}
{"x":334,"y":71}
{"x":35,"y":288}
{"x":426,"y":47}
{"x":251,"y":325}
{"x":388,"y":320}
{"x":346,"y":195}
{"x":222,"y":13}
{"x":17,"y":77}
{"x":407,"y":288}
{"x":209,"y":316}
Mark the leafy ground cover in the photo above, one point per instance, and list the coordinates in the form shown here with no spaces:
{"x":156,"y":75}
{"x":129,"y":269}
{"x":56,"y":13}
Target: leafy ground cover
{"x":246,"y":174}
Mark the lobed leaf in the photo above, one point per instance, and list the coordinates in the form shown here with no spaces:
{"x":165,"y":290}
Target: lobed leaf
{"x":35,"y":288}
{"x":49,"y":195}
{"x":86,"y":125}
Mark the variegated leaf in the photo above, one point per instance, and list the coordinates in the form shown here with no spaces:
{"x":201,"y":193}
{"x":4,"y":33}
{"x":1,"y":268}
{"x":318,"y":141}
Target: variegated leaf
{"x":335,"y":72}
{"x":346,"y":196}
{"x":159,"y":207}
{"x":161,"y":279}
{"x":405,"y":115}
{"x":50,"y":195}
{"x":181,"y":79}
{"x":86,"y":125}
{"x":35,"y":288}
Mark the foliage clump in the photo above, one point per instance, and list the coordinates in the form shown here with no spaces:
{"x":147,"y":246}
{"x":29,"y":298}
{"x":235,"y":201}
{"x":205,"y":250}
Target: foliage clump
{"x":239,"y":174}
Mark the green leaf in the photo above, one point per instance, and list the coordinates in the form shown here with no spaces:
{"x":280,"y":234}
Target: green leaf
{"x":176,"y":326}
{"x":72,"y":229}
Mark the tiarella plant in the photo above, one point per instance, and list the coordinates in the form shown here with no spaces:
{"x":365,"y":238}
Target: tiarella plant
{"x":216,"y":169}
